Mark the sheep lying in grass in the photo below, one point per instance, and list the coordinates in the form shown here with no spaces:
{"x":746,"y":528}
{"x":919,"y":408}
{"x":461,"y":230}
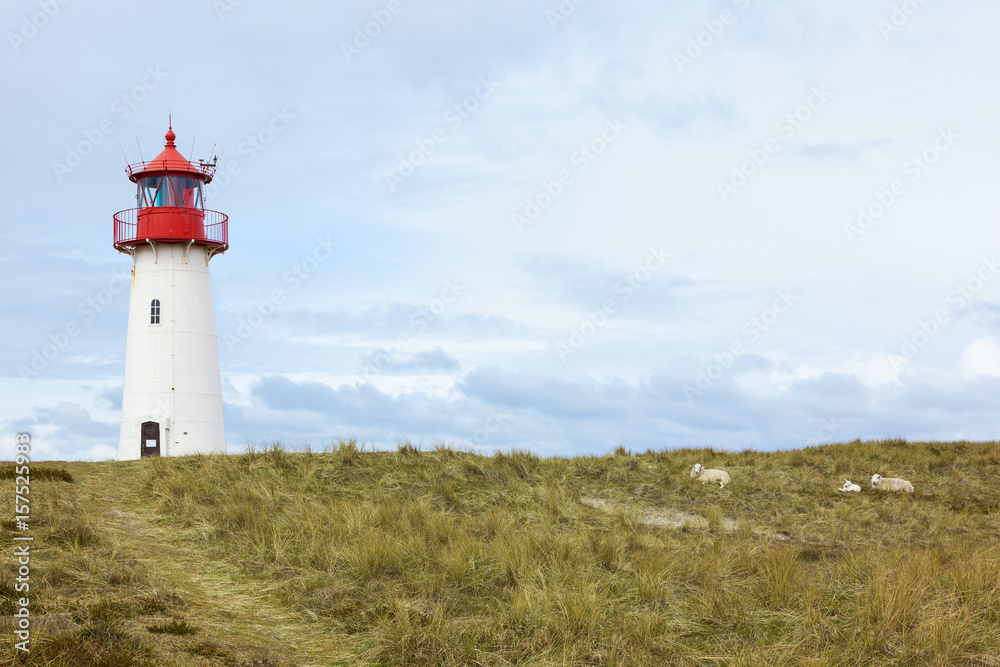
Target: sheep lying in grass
{"x":849,"y":487}
{"x":720,"y":477}
{"x":880,"y":483}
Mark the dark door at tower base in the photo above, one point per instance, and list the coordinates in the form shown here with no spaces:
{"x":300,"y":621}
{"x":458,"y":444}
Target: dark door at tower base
{"x":150,"y":441}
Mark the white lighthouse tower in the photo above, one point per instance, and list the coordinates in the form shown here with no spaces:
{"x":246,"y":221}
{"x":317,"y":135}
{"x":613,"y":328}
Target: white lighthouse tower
{"x":172,"y":403}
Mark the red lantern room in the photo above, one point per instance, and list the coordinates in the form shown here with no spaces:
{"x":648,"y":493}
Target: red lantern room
{"x":171,"y":204}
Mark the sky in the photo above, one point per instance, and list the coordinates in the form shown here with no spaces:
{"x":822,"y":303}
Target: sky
{"x":555,"y":226}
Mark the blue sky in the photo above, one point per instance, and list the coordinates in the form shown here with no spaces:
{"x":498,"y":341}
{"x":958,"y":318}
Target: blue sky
{"x":560,"y":226}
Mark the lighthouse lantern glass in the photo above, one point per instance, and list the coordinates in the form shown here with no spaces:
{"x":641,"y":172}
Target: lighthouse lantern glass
{"x":183,"y":191}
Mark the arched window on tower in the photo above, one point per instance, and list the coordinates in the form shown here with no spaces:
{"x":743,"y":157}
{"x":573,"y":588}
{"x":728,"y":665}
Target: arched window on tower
{"x":154,"y":312}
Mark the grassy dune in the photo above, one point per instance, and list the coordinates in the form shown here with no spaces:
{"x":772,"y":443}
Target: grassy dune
{"x":441,"y":557}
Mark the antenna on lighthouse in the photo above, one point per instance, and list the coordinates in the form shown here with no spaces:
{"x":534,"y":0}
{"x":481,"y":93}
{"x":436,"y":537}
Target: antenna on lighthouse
{"x":122,"y":157}
{"x":141,"y":159}
{"x":125,"y":164}
{"x":214,"y":160}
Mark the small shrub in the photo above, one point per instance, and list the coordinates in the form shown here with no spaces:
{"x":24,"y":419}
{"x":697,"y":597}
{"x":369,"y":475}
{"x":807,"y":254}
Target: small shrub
{"x":407,"y":449}
{"x":174,"y":627}
{"x":159,"y":603}
{"x":207,"y":649}
{"x":348,"y":451}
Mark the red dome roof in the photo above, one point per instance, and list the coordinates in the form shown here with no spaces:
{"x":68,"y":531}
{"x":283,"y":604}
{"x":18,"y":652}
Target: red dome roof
{"x":170,"y":160}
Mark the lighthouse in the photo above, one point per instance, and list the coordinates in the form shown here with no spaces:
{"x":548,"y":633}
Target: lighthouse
{"x":172,"y":400}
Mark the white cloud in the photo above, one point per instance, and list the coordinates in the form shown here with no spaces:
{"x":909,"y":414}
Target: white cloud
{"x":981,"y":357}
{"x":877,"y":369}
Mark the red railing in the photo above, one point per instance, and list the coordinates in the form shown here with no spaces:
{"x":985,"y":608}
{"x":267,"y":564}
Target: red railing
{"x":171,"y":224}
{"x":206,"y":168}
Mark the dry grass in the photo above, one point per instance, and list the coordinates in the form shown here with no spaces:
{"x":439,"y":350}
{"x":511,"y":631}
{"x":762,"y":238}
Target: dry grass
{"x":449,"y":558}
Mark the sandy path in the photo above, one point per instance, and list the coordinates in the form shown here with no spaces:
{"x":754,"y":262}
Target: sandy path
{"x":230,"y":610}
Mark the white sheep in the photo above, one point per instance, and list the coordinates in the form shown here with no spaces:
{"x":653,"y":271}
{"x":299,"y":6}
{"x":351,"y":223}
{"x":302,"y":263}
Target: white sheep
{"x":890,"y":484}
{"x":720,"y":477}
{"x":849,"y":487}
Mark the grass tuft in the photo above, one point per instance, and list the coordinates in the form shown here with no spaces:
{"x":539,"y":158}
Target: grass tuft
{"x":174,"y":627}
